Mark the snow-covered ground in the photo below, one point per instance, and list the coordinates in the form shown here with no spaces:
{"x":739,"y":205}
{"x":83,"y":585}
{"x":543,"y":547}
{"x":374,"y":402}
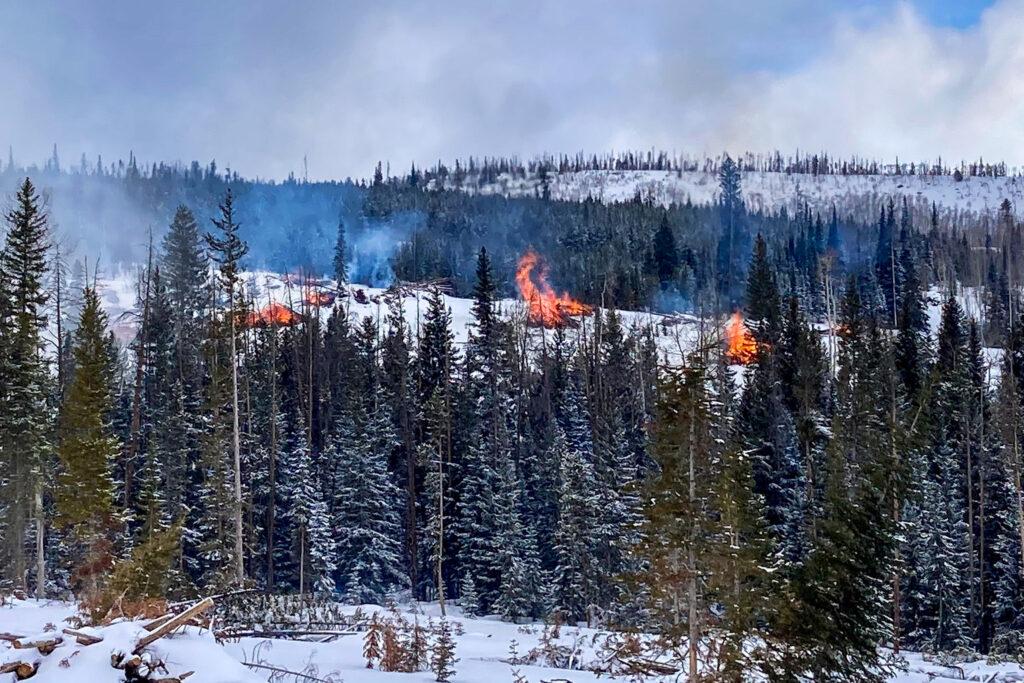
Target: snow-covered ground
{"x":772,"y":191}
{"x":483,"y":648}
{"x":674,"y":335}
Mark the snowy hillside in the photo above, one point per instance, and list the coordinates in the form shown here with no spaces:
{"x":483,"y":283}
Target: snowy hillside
{"x":487,"y":650}
{"x":674,"y":334}
{"x":770,"y":190}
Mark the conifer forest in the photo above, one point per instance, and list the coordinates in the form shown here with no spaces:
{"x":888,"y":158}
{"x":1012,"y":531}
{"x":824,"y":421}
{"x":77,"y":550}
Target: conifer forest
{"x":461,"y":372}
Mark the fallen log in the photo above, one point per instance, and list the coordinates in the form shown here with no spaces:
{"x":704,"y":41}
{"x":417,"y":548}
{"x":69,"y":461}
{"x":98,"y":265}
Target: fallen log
{"x":173,"y":623}
{"x":285,"y":672}
{"x":173,"y":679}
{"x":282,"y":634}
{"x":9,"y":637}
{"x":21,"y":670}
{"x":83,"y":638}
{"x":44,"y":645}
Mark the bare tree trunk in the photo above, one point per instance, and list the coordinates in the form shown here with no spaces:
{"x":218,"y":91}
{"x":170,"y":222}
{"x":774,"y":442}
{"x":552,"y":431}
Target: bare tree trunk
{"x":691,"y":555}
{"x":272,"y":503}
{"x":40,"y":542}
{"x":239,"y":546}
{"x":440,"y":532}
{"x":134,"y":445}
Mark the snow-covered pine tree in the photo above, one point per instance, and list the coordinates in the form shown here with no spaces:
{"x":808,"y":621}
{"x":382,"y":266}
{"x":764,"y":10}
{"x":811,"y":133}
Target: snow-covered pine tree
{"x":576,"y":575}
{"x":312,"y":541}
{"x":367,"y":525}
{"x":520,"y":590}
{"x":488,"y":440}
{"x":24,"y":418}
{"x":228,"y":251}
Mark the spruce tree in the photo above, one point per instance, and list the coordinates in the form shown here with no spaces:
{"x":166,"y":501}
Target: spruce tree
{"x":84,"y":494}
{"x":24,"y":417}
{"x":228,"y":252}
{"x":367,"y":524}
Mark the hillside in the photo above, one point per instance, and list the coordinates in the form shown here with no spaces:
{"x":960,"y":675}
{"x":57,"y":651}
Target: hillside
{"x":770,"y":191}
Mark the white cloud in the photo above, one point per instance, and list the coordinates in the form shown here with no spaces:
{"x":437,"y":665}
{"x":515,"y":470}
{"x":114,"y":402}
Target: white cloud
{"x":259,"y":85}
{"x":900,"y":87}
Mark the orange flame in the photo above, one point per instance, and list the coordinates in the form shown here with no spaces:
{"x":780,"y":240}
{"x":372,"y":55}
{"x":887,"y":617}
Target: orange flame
{"x":314,"y":298}
{"x":740,"y":346}
{"x":546,"y":307}
{"x":272,"y":314}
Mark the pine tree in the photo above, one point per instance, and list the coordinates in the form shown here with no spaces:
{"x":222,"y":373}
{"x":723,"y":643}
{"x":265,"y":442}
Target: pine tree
{"x":442,"y":657}
{"x":341,"y":256}
{"x":764,"y":307}
{"x":689,"y":530}
{"x":84,"y":495}
{"x":228,"y":252}
{"x":666,"y":256}
{"x":313,"y":545}
{"x":367,"y":525}
{"x":576,"y":577}
{"x":24,"y":417}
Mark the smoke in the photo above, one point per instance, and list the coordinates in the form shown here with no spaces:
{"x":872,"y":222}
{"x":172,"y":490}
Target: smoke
{"x":371,"y":249}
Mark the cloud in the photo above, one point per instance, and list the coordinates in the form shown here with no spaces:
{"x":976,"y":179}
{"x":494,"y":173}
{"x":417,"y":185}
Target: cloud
{"x":259,"y":85}
{"x":900,"y":87}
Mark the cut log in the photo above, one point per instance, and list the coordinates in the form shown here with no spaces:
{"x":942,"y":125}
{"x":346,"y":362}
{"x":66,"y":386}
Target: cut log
{"x":44,"y":645}
{"x":21,"y":670}
{"x":119,"y":661}
{"x":158,"y":622}
{"x":82,"y":637}
{"x":173,"y":623}
{"x":9,"y":637}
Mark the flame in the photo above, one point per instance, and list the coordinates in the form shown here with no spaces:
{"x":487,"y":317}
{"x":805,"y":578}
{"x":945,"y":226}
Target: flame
{"x":314,"y":298}
{"x":272,"y":314}
{"x":546,"y":307}
{"x":741,"y":348}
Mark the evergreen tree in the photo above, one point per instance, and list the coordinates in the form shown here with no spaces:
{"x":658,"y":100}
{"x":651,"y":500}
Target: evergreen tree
{"x":24,"y":417}
{"x":313,"y":544}
{"x":228,"y":252}
{"x":85,"y":490}
{"x":341,"y":256}
{"x":764,"y":307}
{"x":367,"y":525}
{"x":666,"y":256}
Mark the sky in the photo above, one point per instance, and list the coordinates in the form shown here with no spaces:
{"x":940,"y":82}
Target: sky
{"x":260,"y":86}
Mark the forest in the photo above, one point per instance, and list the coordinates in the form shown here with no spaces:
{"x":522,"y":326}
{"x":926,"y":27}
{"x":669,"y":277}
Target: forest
{"x":855,"y":486}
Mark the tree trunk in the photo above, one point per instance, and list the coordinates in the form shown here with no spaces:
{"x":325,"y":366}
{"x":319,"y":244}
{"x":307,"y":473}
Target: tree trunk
{"x":40,"y":543}
{"x":239,"y":546}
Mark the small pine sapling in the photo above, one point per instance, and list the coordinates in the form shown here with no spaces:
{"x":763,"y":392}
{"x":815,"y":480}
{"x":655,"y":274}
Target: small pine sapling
{"x":442,"y":659}
{"x":372,"y":642}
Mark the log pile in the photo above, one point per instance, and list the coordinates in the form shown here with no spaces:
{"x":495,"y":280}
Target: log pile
{"x":138,"y":665}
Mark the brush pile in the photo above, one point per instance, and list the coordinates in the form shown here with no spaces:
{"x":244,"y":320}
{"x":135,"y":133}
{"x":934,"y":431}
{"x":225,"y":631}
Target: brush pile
{"x":122,"y":650}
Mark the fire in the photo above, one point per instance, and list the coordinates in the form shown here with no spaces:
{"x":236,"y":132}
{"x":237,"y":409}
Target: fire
{"x":272,"y":314}
{"x":741,"y":349}
{"x":314,"y":298}
{"x":546,"y":307}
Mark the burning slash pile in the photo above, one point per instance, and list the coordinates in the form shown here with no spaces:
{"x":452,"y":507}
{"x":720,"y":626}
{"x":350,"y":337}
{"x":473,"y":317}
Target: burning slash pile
{"x":740,"y":346}
{"x":273,"y":315}
{"x":547,"y":309}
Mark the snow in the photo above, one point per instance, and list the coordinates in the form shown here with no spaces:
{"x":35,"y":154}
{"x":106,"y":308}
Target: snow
{"x":191,"y":649}
{"x":482,"y":647}
{"x":766,"y":190}
{"x":674,"y":335}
